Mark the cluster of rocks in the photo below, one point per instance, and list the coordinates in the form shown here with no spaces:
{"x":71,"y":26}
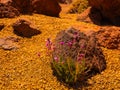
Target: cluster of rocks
{"x":23,"y":28}
{"x":102,"y":12}
{"x":12,"y":8}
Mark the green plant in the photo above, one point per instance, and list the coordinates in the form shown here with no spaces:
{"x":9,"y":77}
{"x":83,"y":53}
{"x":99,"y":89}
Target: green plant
{"x":67,"y":69}
{"x":78,"y":6}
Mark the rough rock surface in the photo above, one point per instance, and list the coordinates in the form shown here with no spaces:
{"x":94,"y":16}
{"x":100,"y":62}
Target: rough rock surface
{"x":65,"y":1}
{"x":9,"y":43}
{"x":12,"y":8}
{"x":83,"y":44}
{"x":91,"y":15}
{"x":7,"y":11}
{"x":1,"y":26}
{"x":23,"y":6}
{"x":25,"y":28}
{"x":109,"y":9}
{"x":47,"y":7}
{"x":109,"y":37}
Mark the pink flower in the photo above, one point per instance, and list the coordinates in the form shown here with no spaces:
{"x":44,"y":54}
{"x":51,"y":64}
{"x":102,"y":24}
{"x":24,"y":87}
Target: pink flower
{"x":70,"y":43}
{"x":62,"y":43}
{"x":82,"y":46}
{"x":80,"y":57}
{"x":48,"y":44}
{"x":56,"y":59}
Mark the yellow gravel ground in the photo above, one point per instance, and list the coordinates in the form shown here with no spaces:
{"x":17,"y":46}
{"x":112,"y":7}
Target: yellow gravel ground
{"x":23,"y":69}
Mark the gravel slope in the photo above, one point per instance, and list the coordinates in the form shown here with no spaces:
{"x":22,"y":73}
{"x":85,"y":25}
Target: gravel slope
{"x":23,"y":69}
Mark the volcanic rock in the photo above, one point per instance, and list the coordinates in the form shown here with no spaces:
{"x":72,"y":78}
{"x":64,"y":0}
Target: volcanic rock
{"x":47,"y":7}
{"x":25,"y":28}
{"x":7,"y":11}
{"x":12,"y":8}
{"x":9,"y":43}
{"x":109,"y":37}
{"x":109,"y":9}
{"x":65,"y":1}
{"x":23,"y":6}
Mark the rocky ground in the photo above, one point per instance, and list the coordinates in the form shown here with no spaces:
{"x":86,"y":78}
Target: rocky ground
{"x":29,"y":67}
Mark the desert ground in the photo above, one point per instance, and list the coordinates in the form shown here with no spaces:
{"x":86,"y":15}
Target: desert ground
{"x":28,"y":68}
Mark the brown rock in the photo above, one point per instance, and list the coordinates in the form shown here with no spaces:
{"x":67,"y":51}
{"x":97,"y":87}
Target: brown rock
{"x":65,"y":1}
{"x":7,"y":11}
{"x":23,"y":6}
{"x":76,"y":43}
{"x":12,"y":8}
{"x":109,"y":9}
{"x":25,"y":28}
{"x":1,"y":26}
{"x":9,"y":43}
{"x":109,"y":37}
{"x":47,"y":7}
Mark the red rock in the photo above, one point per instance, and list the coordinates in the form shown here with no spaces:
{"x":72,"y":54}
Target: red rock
{"x":23,"y":6}
{"x":65,"y":1}
{"x":25,"y":28}
{"x":7,"y":11}
{"x":109,"y":37}
{"x":13,"y":7}
{"x":47,"y":7}
{"x":109,"y":9}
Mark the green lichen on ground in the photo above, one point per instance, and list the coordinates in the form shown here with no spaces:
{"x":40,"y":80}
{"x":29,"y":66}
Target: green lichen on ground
{"x":78,"y":6}
{"x":23,"y":69}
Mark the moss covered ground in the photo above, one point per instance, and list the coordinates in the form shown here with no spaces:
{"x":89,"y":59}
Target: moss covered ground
{"x":24,"y":69}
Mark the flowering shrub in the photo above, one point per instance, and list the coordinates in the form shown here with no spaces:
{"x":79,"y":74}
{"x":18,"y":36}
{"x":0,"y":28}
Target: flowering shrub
{"x":66,"y":68}
{"x":75,"y":57}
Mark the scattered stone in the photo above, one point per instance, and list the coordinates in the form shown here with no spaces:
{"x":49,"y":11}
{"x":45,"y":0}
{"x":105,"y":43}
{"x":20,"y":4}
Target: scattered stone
{"x":25,"y":28}
{"x":1,"y":26}
{"x":83,"y":44}
{"x":9,"y":43}
{"x":109,"y":9}
{"x":109,"y":37}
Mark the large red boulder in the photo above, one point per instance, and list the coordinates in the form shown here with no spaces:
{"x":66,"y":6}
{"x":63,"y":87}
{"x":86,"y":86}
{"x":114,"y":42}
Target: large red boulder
{"x":109,"y":9}
{"x":47,"y":7}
